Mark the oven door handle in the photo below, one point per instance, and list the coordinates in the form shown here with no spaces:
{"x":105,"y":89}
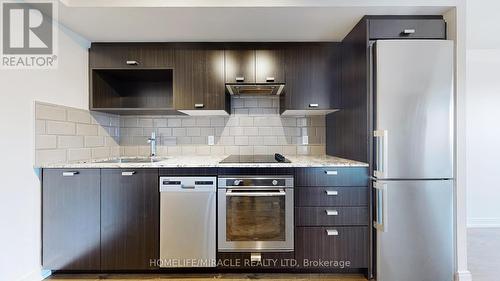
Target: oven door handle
{"x":279,"y":192}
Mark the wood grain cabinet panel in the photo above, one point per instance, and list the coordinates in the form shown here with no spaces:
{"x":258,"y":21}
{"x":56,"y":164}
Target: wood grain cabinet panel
{"x":240,"y":63}
{"x":270,"y":65}
{"x":331,"y":176}
{"x":324,"y":216}
{"x":199,"y":79}
{"x":407,"y":29}
{"x":331,"y":196}
{"x":70,"y":219}
{"x":312,"y":72}
{"x":116,"y":55}
{"x":347,"y":244}
{"x":129,"y":218}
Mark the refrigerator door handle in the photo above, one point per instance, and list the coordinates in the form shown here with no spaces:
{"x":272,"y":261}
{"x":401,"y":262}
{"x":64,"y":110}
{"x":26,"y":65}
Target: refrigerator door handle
{"x":381,"y":151}
{"x":381,"y":220}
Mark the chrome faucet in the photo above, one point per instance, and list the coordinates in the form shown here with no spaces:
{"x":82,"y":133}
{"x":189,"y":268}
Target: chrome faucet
{"x":152,"y":143}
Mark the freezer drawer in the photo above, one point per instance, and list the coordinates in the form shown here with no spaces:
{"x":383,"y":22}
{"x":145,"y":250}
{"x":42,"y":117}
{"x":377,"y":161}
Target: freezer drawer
{"x":414,"y":221}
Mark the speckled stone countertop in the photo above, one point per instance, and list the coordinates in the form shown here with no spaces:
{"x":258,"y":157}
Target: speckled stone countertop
{"x":213,"y":161}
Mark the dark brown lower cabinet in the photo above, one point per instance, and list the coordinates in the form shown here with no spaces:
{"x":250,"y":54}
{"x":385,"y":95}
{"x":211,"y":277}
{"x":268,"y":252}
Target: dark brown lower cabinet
{"x":129,"y":218}
{"x":70,"y":219}
{"x":333,"y":248}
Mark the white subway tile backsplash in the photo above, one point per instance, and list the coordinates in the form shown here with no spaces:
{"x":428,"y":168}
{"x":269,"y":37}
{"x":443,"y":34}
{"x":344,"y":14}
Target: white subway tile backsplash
{"x":49,"y":112}
{"x":159,"y":123}
{"x":255,"y":126}
{"x":47,"y":156}
{"x":193,"y":132}
{"x":145,"y":122}
{"x":174,"y":122}
{"x":86,"y":130}
{"x":60,"y":128}
{"x":179,"y":132}
{"x":79,"y":116}
{"x":79,"y":136}
{"x":40,"y":127}
{"x":79,"y":154}
{"x":101,"y":152}
{"x":241,"y":140}
{"x":251,"y":131}
{"x":188,"y":122}
{"x":45,"y":142}
{"x":70,"y":142}
{"x":94,"y":141}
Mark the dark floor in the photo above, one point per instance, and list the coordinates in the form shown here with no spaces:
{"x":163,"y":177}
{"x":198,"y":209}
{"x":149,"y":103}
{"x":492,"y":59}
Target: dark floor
{"x":206,"y":277}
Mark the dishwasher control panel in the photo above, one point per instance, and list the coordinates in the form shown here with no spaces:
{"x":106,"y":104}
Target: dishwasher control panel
{"x":184,"y":183}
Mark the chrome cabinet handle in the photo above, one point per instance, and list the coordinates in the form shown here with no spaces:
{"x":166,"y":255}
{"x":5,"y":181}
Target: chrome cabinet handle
{"x":132,"y":62}
{"x":127,"y":174}
{"x":332,"y":232}
{"x":269,"y":79}
{"x":331,"y":192}
{"x":199,"y":105}
{"x":313,"y":105}
{"x":70,"y":174}
{"x":331,"y":172}
{"x":332,"y":212}
{"x":240,"y":79}
{"x":408,"y":31}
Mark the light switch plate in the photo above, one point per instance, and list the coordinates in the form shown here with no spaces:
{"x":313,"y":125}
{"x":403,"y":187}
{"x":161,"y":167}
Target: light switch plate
{"x":305,"y":139}
{"x":211,"y":140}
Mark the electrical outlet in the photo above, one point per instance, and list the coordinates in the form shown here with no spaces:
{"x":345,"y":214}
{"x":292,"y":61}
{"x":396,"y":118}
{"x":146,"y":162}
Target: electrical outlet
{"x":305,"y":139}
{"x":211,"y":140}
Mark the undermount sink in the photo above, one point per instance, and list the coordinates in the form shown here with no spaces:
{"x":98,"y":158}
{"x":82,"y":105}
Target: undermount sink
{"x":134,"y":160}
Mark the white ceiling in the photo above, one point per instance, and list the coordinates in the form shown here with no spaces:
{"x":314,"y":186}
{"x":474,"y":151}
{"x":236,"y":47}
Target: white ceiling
{"x":111,"y":23}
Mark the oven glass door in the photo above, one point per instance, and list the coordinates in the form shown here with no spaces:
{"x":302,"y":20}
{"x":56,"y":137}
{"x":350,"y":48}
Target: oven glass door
{"x":255,"y":215}
{"x":255,"y":220}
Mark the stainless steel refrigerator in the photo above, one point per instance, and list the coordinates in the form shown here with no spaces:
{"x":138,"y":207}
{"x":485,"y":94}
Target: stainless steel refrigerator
{"x":412,"y":85}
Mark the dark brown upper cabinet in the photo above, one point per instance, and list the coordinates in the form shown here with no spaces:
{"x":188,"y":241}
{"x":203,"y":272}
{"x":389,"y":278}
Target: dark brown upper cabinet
{"x":199,"y":78}
{"x":406,"y":28}
{"x":270,"y":65}
{"x":70,"y":219}
{"x":130,"y":209}
{"x":240,"y":65}
{"x":118,"y":55}
{"x":312,"y":73}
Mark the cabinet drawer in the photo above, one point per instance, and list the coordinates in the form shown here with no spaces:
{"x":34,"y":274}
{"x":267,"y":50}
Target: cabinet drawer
{"x":341,"y":244}
{"x":331,"y":196}
{"x":407,"y":28}
{"x":334,"y":176}
{"x":324,"y":216}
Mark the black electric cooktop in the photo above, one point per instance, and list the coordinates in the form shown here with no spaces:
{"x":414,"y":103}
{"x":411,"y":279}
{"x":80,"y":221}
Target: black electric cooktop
{"x":255,"y":159}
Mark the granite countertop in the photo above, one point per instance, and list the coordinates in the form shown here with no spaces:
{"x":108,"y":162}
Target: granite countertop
{"x":213,"y":161}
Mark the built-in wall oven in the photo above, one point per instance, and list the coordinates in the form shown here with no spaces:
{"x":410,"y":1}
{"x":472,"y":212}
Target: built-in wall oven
{"x":255,"y":213}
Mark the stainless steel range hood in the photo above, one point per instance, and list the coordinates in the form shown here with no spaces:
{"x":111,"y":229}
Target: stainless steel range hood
{"x":255,"y":89}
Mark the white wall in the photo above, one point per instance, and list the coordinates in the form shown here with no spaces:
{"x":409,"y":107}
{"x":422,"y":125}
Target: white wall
{"x":20,"y":188}
{"x":483,"y":113}
{"x":483,"y":137}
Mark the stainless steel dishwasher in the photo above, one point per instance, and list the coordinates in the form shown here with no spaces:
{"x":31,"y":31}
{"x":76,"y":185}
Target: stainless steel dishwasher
{"x":187,"y":221}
